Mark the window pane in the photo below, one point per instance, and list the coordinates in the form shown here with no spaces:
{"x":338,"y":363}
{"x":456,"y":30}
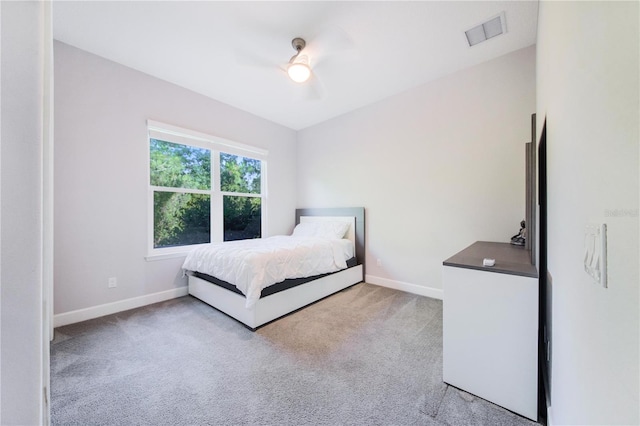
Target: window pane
{"x":242,"y":216}
{"x":179,"y":166}
{"x":180,"y":219}
{"x":239,"y":174}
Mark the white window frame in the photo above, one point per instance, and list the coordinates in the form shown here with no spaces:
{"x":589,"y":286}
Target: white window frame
{"x":174,"y":134}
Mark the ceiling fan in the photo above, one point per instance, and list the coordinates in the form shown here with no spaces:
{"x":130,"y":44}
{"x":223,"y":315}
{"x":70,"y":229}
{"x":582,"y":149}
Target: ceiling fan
{"x":299,"y":71}
{"x":299,"y":67}
{"x":332,"y":42}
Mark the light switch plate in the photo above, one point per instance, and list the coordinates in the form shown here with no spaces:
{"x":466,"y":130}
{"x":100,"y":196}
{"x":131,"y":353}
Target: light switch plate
{"x":595,"y":252}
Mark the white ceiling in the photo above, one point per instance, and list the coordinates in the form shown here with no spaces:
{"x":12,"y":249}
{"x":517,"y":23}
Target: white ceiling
{"x":361,"y":52}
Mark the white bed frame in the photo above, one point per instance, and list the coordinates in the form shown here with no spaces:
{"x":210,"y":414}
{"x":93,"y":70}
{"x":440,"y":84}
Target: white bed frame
{"x":284,"y":302}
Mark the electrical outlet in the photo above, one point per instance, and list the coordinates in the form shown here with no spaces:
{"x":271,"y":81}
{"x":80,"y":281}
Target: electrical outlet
{"x":379,"y":262}
{"x":113,"y":282}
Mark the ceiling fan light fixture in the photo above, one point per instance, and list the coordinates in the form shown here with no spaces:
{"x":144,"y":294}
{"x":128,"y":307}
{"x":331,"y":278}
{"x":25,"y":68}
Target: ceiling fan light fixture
{"x":299,"y":69}
{"x":299,"y":72}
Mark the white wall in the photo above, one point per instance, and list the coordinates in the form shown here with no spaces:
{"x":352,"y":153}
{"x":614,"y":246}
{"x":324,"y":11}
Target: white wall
{"x":437,"y":168}
{"x":101,"y":110}
{"x":21,"y":296}
{"x":587,"y":82}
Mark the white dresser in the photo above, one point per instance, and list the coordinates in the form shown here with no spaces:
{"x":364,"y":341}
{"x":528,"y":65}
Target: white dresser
{"x":490,"y":325}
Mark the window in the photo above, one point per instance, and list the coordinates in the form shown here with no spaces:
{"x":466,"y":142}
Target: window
{"x":202,"y":189}
{"x":240,"y":179}
{"x":181,"y":181}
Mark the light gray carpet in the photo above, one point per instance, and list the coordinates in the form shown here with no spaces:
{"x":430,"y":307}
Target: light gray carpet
{"x":366,"y":356}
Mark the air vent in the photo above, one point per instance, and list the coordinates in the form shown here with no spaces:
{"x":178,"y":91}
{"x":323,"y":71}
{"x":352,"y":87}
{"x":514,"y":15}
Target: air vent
{"x":493,"y":27}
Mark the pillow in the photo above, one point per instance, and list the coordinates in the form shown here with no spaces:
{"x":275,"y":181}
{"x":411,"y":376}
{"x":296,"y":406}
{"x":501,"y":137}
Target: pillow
{"x":324,"y":229}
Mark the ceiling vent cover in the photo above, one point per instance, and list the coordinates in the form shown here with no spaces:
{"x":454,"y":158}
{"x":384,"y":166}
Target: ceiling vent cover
{"x":493,"y":27}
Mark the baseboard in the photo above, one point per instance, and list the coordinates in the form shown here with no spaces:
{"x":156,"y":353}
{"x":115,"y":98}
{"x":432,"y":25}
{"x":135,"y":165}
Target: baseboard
{"x":115,"y":307}
{"x":136,"y":302}
{"x":434,"y":293}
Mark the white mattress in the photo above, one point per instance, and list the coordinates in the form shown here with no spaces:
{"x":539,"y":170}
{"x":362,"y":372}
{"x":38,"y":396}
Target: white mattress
{"x":252,"y":265}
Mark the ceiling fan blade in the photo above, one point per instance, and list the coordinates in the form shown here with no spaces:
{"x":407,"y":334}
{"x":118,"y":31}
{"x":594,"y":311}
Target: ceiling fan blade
{"x":251,"y":59}
{"x":331,"y":41}
{"x":311,"y":90}
{"x":315,"y":91}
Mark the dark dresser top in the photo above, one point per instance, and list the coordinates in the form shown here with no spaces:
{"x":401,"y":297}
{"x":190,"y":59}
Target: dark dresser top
{"x":510,"y":259}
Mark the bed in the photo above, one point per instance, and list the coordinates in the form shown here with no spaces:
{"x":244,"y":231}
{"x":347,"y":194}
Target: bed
{"x":230,"y":285}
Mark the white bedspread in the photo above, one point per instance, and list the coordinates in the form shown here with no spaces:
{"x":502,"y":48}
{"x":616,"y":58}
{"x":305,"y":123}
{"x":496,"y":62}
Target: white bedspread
{"x":252,"y":265}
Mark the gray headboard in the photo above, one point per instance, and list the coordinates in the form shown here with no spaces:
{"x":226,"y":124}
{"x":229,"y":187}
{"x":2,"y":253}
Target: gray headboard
{"x":357,"y":212}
